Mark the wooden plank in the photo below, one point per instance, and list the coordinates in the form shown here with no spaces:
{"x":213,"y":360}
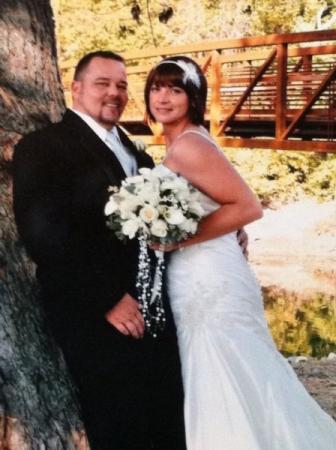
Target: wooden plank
{"x":266,"y":144}
{"x":311,"y":51}
{"x":254,"y":55}
{"x":272,"y":144}
{"x":256,"y":114}
{"x":256,"y":41}
{"x":237,"y":57}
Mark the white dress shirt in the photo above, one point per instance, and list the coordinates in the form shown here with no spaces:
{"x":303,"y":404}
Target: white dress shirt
{"x":112,"y":140}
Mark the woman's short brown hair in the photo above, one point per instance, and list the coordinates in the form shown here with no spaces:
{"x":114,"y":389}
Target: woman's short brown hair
{"x":174,"y":75}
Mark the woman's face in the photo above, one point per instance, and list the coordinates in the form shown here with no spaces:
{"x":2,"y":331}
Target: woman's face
{"x":168,"y":104}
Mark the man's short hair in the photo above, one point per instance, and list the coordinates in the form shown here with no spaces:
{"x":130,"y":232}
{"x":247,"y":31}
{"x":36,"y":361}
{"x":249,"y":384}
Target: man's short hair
{"x":86,"y":59}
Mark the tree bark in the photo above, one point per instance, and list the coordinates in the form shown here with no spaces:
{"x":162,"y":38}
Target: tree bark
{"x":38,"y":409}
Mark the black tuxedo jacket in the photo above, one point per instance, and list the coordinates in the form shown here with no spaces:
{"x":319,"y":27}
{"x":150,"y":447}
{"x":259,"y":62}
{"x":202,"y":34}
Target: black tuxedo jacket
{"x":61,"y":179}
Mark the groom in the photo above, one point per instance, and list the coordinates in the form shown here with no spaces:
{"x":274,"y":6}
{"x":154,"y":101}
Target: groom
{"x":129,"y":384}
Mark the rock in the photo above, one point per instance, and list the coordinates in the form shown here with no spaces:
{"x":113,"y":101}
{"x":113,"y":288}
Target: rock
{"x":297,"y":359}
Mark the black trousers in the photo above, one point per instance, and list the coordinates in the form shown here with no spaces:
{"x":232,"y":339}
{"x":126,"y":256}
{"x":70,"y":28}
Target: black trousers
{"x":130,"y":390}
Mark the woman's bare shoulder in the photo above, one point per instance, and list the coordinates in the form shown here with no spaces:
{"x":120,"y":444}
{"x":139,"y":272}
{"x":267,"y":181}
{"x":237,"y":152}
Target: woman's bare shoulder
{"x":193,"y":143}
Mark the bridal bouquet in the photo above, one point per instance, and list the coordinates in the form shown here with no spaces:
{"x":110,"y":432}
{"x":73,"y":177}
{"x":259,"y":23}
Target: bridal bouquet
{"x":161,"y":208}
{"x":158,"y":208}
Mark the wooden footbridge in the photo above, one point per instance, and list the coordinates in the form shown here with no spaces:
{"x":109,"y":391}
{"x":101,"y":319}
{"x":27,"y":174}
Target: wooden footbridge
{"x":276,"y":91}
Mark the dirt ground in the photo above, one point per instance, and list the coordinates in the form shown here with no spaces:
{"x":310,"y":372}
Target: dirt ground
{"x":319,"y":378}
{"x":294,"y":247}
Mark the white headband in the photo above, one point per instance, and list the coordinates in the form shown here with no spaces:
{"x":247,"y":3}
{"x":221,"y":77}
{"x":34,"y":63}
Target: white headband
{"x":189,"y":71}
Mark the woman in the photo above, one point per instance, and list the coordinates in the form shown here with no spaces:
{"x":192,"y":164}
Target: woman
{"x":240,"y":393}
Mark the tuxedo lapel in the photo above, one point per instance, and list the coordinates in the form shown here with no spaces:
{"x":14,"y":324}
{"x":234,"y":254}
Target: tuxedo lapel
{"x":104,"y":156}
{"x":139,"y":155}
{"x":90,"y":142}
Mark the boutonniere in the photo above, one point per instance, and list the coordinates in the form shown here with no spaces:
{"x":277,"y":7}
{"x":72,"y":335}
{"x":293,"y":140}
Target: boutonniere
{"x":140,"y":145}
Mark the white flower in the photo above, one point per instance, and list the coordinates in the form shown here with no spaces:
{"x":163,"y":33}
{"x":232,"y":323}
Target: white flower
{"x":175,"y":184}
{"x":130,"y":227}
{"x":159,"y":228}
{"x":149,"y":193}
{"x":139,"y":145}
{"x":174,"y":216}
{"x":148,"y":213}
{"x":162,"y":209}
{"x":189,"y":226}
{"x":128,"y":206}
{"x":145,"y":171}
{"x":136,"y":179}
{"x":110,"y":207}
{"x":196,"y":208}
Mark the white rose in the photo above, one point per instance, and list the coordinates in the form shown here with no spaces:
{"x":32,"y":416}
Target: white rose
{"x":148,"y":213}
{"x":128,"y":206}
{"x":176,"y":184}
{"x":174,"y":216}
{"x":162,"y":209}
{"x":110,"y":207}
{"x":130,"y":227}
{"x":136,"y":179}
{"x":159,"y":228}
{"x":196,"y":208}
{"x":145,"y":171}
{"x":149,"y":193}
{"x":190,"y":226}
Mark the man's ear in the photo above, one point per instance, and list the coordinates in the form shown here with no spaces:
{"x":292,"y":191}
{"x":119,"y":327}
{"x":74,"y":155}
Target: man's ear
{"x":75,"y":88}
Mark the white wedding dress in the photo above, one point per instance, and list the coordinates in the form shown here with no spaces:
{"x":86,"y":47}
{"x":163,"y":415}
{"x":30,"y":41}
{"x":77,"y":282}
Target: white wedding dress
{"x":240,"y":392}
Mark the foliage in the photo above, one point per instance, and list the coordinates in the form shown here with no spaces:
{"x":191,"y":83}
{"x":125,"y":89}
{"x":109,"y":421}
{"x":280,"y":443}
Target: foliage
{"x":84,"y":25}
{"x":282,"y":176}
{"x":301,"y":326}
{"x":269,"y":16}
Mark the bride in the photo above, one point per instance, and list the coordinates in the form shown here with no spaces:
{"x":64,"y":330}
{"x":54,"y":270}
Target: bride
{"x":240,"y":393}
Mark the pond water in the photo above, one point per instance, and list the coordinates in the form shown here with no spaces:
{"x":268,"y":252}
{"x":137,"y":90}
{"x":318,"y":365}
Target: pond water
{"x":301,"y":326}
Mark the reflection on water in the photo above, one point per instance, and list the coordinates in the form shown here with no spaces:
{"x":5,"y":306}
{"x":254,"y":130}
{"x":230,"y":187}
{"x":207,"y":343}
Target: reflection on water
{"x":301,"y":326}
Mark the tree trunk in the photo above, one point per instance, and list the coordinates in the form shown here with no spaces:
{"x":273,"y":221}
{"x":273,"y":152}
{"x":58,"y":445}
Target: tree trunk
{"x":37,"y":403}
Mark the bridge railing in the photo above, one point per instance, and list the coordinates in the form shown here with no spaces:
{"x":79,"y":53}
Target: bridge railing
{"x":276,"y":91}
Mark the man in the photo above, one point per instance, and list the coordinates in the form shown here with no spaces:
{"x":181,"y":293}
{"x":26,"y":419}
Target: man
{"x":129,"y":383}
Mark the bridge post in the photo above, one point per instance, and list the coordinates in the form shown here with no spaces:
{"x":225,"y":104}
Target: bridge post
{"x":215,"y":101}
{"x":281,"y":90}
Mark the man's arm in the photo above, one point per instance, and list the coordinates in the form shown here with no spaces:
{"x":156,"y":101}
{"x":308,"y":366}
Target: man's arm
{"x":43,"y":206}
{"x":38,"y":202}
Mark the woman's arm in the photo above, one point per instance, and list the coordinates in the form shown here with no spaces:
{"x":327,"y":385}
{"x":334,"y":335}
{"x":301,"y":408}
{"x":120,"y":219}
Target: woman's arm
{"x":201,"y":163}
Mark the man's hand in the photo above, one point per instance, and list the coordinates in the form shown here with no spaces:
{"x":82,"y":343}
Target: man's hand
{"x":126,"y":317}
{"x":242,"y":238}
